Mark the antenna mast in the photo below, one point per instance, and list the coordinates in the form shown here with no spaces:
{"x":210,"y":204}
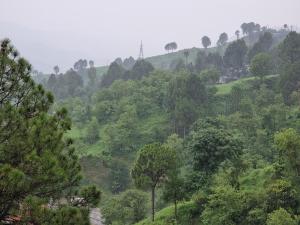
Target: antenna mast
{"x":141,"y":55}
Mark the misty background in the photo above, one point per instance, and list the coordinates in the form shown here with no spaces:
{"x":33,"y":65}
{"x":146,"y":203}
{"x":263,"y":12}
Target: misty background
{"x":59,"y":32}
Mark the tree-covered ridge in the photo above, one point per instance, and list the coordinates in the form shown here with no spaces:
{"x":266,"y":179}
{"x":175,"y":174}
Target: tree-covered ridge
{"x":210,"y":153}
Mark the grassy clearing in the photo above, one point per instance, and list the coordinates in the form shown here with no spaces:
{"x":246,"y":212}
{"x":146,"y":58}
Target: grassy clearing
{"x":224,"y":89}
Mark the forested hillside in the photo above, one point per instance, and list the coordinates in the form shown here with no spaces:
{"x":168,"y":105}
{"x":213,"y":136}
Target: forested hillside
{"x":195,"y":137}
{"x":229,"y":138}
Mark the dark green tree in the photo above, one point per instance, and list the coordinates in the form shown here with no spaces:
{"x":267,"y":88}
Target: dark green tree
{"x":141,"y":69}
{"x":261,"y":65}
{"x":235,"y":53}
{"x":35,"y":158}
{"x":206,"y":42}
{"x":237,"y":34}
{"x":222,"y":39}
{"x":263,"y":45}
{"x":92,"y":132}
{"x":212,"y":146}
{"x":126,"y":208}
{"x":90,"y":195}
{"x":186,"y":54}
{"x":152,"y":165}
{"x":118,"y":176}
{"x":115,"y":72}
{"x":289,"y":49}
{"x":56,"y":69}
{"x":174,"y":190}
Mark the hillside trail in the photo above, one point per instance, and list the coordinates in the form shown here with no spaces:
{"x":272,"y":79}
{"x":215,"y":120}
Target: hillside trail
{"x":96,"y":217}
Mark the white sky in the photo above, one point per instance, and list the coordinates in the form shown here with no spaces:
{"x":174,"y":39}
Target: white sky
{"x":50,"y":32}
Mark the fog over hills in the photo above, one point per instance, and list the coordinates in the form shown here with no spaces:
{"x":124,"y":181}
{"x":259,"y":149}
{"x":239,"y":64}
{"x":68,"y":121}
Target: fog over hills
{"x":61,"y":32}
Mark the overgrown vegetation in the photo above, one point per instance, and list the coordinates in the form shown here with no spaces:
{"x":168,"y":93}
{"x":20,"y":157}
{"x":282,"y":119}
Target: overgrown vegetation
{"x":210,"y":153}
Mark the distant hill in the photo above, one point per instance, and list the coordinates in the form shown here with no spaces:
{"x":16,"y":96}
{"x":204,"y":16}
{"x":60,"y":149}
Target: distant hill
{"x":164,"y":61}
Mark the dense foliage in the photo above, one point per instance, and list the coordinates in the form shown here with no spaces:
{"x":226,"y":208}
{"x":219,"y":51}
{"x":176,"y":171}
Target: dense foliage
{"x":209,"y":153}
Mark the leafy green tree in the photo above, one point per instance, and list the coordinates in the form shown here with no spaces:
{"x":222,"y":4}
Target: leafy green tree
{"x":114,"y":72}
{"x":120,"y":137}
{"x":174,"y":190}
{"x":185,"y":93}
{"x":80,"y":65}
{"x":70,"y":216}
{"x":33,"y":211}
{"x":72,"y":81}
{"x":186,"y":54}
{"x":212,"y":146}
{"x":281,"y":217}
{"x":210,"y":76}
{"x":214,"y":60}
{"x":119,"y":176}
{"x":171,"y":46}
{"x":222,"y":39}
{"x":225,"y":206}
{"x":235,"y":53}
{"x":140,"y":69}
{"x":92,"y":132}
{"x":206,"y":42}
{"x":35,"y":158}
{"x":152,"y":165}
{"x":288,"y":144}
{"x":200,"y":63}
{"x":126,"y":208}
{"x":128,"y":63}
{"x":92,"y":74}
{"x":235,"y":99}
{"x":237,"y":34}
{"x":290,"y":81}
{"x":281,"y":194}
{"x":104,"y":110}
{"x":52,"y":83}
{"x":250,"y":28}
{"x":56,"y":69}
{"x":290,"y":48}
{"x":119,"y":61}
{"x":90,"y":195}
{"x":263,"y":45}
{"x":261,"y":65}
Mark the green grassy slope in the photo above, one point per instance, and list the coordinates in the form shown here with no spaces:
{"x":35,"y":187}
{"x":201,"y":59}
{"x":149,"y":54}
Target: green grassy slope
{"x":164,"y":61}
{"x":187,"y":214}
{"x":223,"y":89}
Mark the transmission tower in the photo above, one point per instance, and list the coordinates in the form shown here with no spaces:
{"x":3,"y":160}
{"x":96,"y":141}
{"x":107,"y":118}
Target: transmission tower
{"x":141,"y":55}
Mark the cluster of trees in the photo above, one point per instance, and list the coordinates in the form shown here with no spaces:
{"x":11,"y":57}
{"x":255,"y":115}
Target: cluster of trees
{"x":127,"y":63}
{"x":38,"y":165}
{"x":116,"y":71}
{"x":238,"y":162}
{"x":237,"y":57}
{"x":172,"y":46}
{"x":72,"y":82}
{"x":65,"y":85}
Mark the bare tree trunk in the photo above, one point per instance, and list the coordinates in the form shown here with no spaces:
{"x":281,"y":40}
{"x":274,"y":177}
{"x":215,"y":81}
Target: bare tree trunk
{"x":175,"y":204}
{"x":153,"y":201}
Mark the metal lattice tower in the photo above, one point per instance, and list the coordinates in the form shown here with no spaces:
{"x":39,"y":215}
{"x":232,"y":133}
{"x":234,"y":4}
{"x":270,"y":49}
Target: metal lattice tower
{"x":141,"y":54}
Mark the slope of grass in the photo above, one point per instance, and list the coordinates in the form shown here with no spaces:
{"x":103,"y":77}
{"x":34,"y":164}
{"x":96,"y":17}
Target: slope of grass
{"x":164,"y":61}
{"x":224,"y":89}
{"x":187,"y":215}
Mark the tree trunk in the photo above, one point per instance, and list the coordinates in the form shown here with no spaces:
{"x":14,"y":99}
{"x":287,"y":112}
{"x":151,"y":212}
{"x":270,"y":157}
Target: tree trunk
{"x":153,"y":201}
{"x":175,"y":204}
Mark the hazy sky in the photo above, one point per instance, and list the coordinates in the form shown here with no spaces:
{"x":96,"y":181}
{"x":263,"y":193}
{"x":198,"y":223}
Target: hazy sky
{"x":58,"y":32}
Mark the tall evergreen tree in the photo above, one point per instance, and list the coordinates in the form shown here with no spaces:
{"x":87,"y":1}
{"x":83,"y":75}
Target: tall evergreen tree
{"x":35,"y":159}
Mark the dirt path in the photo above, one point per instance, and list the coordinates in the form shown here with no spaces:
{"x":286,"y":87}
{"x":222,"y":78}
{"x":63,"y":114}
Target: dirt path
{"x":96,"y":217}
